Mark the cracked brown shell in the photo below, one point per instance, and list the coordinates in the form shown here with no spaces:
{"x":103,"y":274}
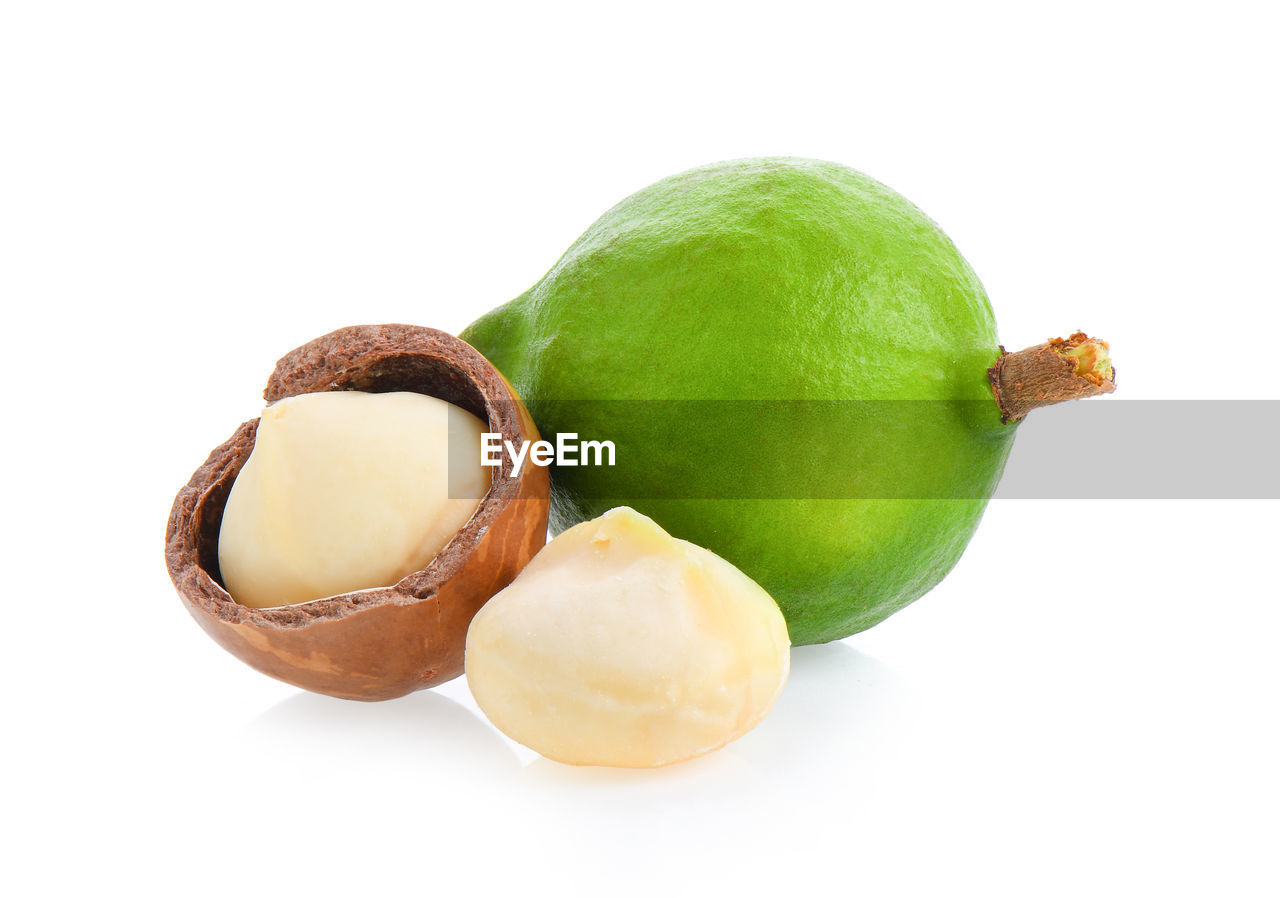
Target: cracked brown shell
{"x":385,"y":642}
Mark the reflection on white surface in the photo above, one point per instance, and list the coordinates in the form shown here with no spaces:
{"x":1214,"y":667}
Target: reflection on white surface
{"x":409,"y":730}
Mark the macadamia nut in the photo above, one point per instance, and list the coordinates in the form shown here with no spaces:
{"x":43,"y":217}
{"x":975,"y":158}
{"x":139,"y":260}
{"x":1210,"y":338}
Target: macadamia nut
{"x":619,"y":645}
{"x":346,"y":491}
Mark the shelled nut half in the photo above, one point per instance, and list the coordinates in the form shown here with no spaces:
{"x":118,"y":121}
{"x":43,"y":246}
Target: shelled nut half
{"x":384,"y":642}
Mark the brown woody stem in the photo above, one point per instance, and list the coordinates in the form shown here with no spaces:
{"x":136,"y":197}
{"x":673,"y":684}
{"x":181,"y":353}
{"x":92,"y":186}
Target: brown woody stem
{"x":1075,"y":368}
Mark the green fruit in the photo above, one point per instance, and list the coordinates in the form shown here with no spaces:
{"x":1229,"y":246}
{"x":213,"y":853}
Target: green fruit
{"x":792,"y":361}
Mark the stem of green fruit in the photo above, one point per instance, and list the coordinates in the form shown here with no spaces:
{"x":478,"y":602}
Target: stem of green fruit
{"x":1075,"y":368}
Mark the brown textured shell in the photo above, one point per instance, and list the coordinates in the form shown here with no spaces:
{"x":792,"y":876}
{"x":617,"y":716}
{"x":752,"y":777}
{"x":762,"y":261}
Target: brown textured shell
{"x":375,"y":643}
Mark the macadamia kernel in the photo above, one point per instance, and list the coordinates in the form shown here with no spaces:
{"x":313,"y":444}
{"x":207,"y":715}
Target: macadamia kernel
{"x":619,"y":645}
{"x":346,"y":491}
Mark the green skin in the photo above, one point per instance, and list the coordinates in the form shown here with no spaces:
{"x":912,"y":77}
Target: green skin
{"x":769,"y":279}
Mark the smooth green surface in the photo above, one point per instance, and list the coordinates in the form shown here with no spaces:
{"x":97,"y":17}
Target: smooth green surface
{"x":771,"y":279}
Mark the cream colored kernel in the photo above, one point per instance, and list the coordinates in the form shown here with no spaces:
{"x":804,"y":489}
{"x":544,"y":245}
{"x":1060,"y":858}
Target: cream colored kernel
{"x":346,"y":491}
{"x":619,"y":645}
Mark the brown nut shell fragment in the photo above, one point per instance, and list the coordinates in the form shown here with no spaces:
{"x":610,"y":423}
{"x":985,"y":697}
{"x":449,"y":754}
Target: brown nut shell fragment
{"x":374,"y":643}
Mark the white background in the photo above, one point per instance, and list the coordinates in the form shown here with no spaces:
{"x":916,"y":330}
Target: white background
{"x":189,"y":190}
